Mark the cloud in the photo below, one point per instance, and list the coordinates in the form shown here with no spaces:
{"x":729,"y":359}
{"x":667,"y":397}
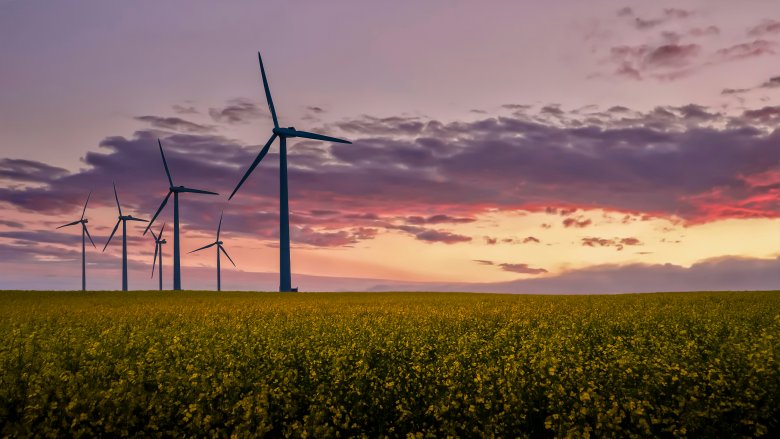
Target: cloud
{"x":626,"y":161}
{"x":441,"y":236}
{"x":771,"y":83}
{"x":185,"y":109}
{"x":512,"y":268}
{"x":522,"y":269}
{"x":745,"y":50}
{"x":668,"y":14}
{"x":175,"y":124}
{"x":438,"y":219}
{"x":765,"y":28}
{"x":531,"y":239}
{"x":618,"y":243}
{"x":573,"y":222}
{"x":717,"y":274}
{"x":28,"y":171}
{"x":237,"y":111}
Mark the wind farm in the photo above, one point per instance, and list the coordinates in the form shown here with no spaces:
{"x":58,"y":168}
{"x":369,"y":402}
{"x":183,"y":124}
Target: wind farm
{"x":444,"y":219}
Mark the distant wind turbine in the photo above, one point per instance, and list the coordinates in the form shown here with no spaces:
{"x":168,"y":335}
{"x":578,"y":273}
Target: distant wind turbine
{"x":122,"y":219}
{"x":220,"y":249}
{"x":175,"y":190}
{"x":158,"y":243}
{"x":284,"y":213}
{"x":83,"y":221}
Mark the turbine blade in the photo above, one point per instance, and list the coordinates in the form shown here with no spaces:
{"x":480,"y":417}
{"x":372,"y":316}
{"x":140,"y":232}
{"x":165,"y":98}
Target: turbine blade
{"x":197,"y":191}
{"x":138,"y":219}
{"x":154,"y":262}
{"x":158,"y":211}
{"x":89,"y":236}
{"x":252,"y":167}
{"x":315,"y":136}
{"x":165,"y":163}
{"x":154,"y":236}
{"x":268,"y":92}
{"x":219,"y":227}
{"x":69,"y":224}
{"x":85,"y":205}
{"x":204,"y":247}
{"x":162,"y":230}
{"x":226,"y":254}
{"x":112,"y":234}
{"x":117,"y":200}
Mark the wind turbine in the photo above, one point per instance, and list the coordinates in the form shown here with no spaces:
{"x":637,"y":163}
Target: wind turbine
{"x":175,"y":190}
{"x":122,"y":219}
{"x":158,"y":243}
{"x":83,"y":221}
{"x":284,"y":213}
{"x":220,"y":249}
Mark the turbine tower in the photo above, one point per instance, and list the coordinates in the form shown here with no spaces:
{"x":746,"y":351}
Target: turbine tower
{"x":122,"y":219}
{"x":158,"y":243}
{"x":284,"y":213}
{"x":220,"y":249}
{"x":175,"y":190}
{"x":84,"y":232}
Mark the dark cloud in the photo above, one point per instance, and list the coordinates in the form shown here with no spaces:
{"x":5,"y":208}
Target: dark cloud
{"x":531,"y":239}
{"x":718,"y":274}
{"x":489,"y":240}
{"x":513,"y":268}
{"x":441,"y":236}
{"x":12,"y":224}
{"x":175,"y":124}
{"x":578,"y":223}
{"x":236,"y":111}
{"x":667,"y":15}
{"x":373,"y":126}
{"x":618,"y":243}
{"x":765,"y":28}
{"x":626,"y":161}
{"x":745,"y":50}
{"x":316,"y":110}
{"x":185,"y":109}
{"x":438,"y":219}
{"x":522,"y":269}
{"x":28,"y":171}
{"x":770,"y":83}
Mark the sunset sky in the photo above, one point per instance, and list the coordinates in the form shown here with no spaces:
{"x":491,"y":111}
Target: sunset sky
{"x":508,"y":146}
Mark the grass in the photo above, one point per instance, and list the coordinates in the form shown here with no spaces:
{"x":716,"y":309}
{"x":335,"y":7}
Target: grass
{"x":389,"y":364}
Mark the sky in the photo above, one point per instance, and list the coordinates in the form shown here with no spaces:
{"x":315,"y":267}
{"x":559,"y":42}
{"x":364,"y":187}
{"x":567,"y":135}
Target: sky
{"x":503,"y":146}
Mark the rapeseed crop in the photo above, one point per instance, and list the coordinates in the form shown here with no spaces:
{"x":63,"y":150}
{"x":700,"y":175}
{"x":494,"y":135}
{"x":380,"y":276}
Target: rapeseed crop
{"x":388,"y":365}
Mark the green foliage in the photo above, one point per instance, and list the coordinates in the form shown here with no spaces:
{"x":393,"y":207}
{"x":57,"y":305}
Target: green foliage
{"x":395,"y":365}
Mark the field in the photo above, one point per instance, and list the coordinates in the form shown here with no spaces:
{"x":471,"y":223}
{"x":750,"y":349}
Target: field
{"x":396,"y":364}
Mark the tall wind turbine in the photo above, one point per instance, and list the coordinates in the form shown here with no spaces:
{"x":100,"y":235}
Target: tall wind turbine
{"x":122,"y":219}
{"x":175,"y":190}
{"x":158,"y":243}
{"x":220,"y":249}
{"x":83,"y":221}
{"x":284,"y":213}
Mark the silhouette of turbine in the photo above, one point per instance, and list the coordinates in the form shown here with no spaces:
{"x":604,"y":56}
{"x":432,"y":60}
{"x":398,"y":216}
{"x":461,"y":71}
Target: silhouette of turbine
{"x":83,"y":221}
{"x":284,"y":213}
{"x":122,"y":219}
{"x":175,"y":190}
{"x":158,"y":243}
{"x":220,"y":249}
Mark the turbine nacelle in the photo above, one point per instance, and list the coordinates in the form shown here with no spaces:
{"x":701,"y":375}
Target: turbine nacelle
{"x":285,"y":132}
{"x":131,"y":218}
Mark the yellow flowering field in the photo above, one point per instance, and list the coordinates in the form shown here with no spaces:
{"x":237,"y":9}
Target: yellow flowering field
{"x":389,"y":365}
